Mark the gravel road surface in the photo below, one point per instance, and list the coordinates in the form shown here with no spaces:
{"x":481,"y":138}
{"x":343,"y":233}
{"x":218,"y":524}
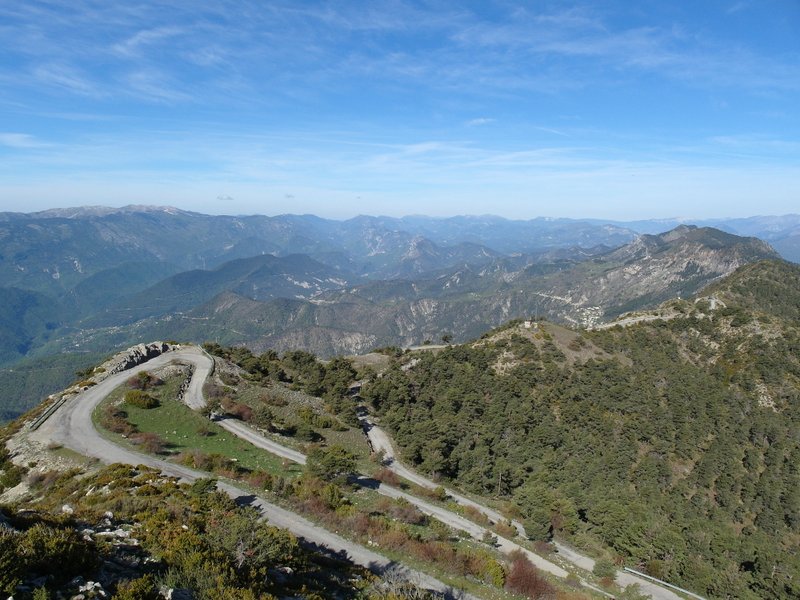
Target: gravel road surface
{"x":71,"y":425}
{"x":380,"y":441}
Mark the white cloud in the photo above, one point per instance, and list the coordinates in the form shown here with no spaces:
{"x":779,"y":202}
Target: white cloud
{"x":479,"y":121}
{"x":134,"y":45}
{"x":155,"y":86}
{"x":21,"y":141}
{"x":68,"y":78}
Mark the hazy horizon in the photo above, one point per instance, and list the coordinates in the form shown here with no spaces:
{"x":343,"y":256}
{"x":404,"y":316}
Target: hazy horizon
{"x":167,"y":208}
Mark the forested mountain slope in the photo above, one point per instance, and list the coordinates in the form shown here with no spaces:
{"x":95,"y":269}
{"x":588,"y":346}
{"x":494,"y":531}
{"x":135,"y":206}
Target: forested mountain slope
{"x":95,"y":280}
{"x":467,"y":301}
{"x":675,"y":442}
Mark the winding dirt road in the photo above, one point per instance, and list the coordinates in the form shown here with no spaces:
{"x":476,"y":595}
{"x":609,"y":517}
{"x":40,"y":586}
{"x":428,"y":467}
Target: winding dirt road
{"x":447,"y":517}
{"x":380,"y":441}
{"x":71,"y":425}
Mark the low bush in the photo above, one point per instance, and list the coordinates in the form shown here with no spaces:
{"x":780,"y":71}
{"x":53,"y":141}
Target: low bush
{"x":49,"y":551}
{"x":11,"y":476}
{"x":140,"y":399}
{"x":473,"y":514}
{"x":525,"y":579}
{"x":400,"y":510}
{"x":388,"y":477}
{"x":237,"y":410}
{"x":505,"y":529}
{"x":438,"y":493}
{"x":260,"y":480}
{"x":150,"y":442}
{"x":142,"y":588}
{"x":604,"y":568}
{"x":42,"y":480}
{"x":113,"y":418}
{"x":543,"y":548}
{"x":273,"y":399}
{"x":143,"y":381}
{"x":262,"y":417}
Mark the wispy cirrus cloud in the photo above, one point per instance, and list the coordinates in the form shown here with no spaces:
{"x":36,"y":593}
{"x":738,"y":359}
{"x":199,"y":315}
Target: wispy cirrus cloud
{"x":153,"y":85}
{"x":22,"y":141}
{"x":69,"y":78}
{"x":479,"y":121}
{"x":141,"y":40}
{"x":296,"y":50}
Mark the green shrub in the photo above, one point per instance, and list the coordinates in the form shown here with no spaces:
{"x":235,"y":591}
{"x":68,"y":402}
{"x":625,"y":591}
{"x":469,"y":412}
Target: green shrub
{"x":10,"y":567}
{"x":604,"y":568}
{"x":331,"y":464}
{"x":41,"y":594}
{"x":494,"y":574}
{"x":262,"y":416}
{"x":140,"y":399}
{"x":57,"y":552}
{"x":203,"y":486}
{"x":143,"y":588}
{"x":305,"y":433}
{"x":11,"y":476}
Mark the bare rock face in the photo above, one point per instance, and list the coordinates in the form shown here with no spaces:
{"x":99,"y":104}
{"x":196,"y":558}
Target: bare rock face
{"x":135,"y":355}
{"x":652,"y":269}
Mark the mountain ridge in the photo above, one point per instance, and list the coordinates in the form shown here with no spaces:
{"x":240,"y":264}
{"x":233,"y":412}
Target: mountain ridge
{"x":464,"y":303}
{"x":108,"y":275}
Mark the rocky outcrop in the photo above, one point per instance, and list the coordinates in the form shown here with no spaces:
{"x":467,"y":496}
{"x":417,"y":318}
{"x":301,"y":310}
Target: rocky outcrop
{"x":132,"y":357}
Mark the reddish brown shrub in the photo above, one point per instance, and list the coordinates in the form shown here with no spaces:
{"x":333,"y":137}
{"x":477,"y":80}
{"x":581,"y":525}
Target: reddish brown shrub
{"x":213,"y":391}
{"x":42,"y":480}
{"x":543,"y":548}
{"x":195,"y":459}
{"x":260,"y":480}
{"x":473,"y":514}
{"x":394,"y":539}
{"x":505,"y":529}
{"x":316,"y":506}
{"x":150,"y":442}
{"x":227,"y":472}
{"x":143,"y":381}
{"x":438,"y":493}
{"x":407,"y":513}
{"x":523,"y":578}
{"x":115,"y":420}
{"x":400,"y":510}
{"x":273,"y":399}
{"x":606,"y":582}
{"x":388,"y":477}
{"x":429,"y":552}
{"x":237,"y":410}
{"x":359,"y":524}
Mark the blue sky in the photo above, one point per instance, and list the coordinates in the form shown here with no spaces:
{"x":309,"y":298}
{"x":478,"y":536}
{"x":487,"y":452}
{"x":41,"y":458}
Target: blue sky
{"x":618,"y":110}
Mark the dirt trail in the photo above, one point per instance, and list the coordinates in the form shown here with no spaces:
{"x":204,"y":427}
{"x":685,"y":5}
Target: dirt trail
{"x":380,"y":441}
{"x":71,"y":425}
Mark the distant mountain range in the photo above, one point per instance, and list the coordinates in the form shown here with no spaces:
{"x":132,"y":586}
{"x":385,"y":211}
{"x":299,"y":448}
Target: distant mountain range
{"x":91,"y":279}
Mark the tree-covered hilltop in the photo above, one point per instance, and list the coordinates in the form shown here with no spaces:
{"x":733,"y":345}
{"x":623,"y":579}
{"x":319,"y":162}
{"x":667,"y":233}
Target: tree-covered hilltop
{"x":673,"y":442}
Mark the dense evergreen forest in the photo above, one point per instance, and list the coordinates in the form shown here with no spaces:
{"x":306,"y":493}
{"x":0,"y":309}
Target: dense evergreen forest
{"x":674,"y":443}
